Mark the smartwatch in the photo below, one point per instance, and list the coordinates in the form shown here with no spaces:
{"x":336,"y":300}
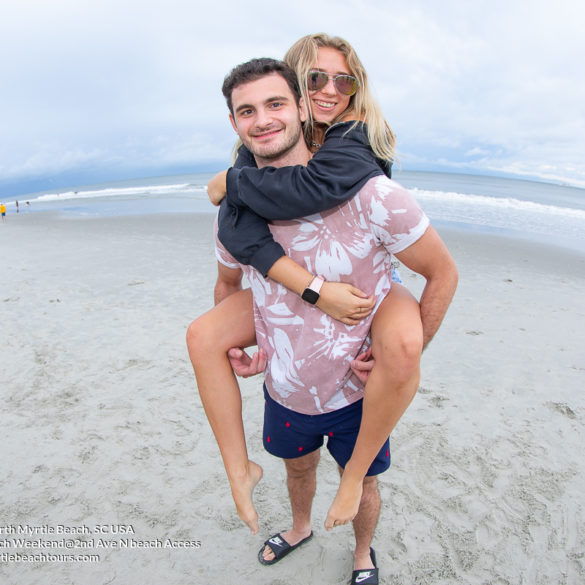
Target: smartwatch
{"x":311,"y":293}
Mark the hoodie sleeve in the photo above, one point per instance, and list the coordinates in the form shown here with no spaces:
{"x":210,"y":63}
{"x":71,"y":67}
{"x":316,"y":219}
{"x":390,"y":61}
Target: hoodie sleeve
{"x":336,"y":173}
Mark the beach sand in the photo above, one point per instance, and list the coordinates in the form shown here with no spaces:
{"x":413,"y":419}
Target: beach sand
{"x":102,"y":430}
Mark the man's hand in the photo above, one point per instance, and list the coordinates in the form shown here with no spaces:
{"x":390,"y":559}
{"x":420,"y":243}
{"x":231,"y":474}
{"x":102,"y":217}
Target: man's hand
{"x":244,"y":365}
{"x":362,"y":365}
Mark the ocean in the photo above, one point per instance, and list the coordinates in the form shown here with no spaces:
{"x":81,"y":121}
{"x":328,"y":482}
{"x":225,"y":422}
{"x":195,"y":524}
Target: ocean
{"x":544,"y":212}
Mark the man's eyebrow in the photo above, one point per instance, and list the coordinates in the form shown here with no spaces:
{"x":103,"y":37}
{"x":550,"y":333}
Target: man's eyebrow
{"x":275,"y":98}
{"x":244,"y":107}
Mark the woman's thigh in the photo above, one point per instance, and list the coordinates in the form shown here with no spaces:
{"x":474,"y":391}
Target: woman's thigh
{"x":228,"y":324}
{"x":397,"y":324}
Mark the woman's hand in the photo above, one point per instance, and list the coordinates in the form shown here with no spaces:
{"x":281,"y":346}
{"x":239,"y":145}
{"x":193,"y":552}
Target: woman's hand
{"x":216,"y":188}
{"x":345,"y":302}
{"x":363,"y":365}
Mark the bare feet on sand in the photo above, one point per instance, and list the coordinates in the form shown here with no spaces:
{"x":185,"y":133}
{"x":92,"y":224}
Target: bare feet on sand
{"x":242,"y":489}
{"x":346,"y":503}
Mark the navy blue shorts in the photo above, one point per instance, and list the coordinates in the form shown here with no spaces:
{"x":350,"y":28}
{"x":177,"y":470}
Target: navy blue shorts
{"x":288,"y":434}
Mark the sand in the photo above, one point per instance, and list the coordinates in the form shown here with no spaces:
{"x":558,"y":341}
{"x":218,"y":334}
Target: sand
{"x":105,"y":446}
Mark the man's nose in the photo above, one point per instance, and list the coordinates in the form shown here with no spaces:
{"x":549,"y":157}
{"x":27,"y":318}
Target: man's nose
{"x":263,"y":119}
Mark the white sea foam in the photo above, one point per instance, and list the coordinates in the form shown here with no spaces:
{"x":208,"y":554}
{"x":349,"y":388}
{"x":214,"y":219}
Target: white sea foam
{"x":547,"y":211}
{"x":443,"y":197}
{"x":502,"y":203}
{"x":138,"y":191}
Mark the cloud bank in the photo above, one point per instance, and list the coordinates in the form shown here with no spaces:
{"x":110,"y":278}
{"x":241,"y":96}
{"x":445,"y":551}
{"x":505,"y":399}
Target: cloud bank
{"x":104,"y":90}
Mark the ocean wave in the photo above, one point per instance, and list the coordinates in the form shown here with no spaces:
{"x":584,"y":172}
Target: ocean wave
{"x":503,"y":203}
{"x":137,"y":191}
{"x":444,"y":198}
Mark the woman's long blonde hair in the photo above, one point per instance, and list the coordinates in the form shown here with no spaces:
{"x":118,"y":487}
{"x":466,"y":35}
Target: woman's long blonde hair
{"x":302,"y":57}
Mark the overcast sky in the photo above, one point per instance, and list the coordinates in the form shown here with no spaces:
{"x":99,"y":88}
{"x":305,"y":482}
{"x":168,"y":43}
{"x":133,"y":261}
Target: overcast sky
{"x":93,"y":90}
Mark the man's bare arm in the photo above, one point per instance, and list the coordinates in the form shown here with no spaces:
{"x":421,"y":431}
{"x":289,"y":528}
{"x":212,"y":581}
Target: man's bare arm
{"x":430,"y":258}
{"x":229,"y":281}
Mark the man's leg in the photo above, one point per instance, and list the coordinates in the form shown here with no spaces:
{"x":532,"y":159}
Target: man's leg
{"x":391,"y":386}
{"x":301,"y":478}
{"x":229,"y":324}
{"x":364,"y":524}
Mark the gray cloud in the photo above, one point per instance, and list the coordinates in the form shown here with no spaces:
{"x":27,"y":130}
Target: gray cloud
{"x":103,"y":86}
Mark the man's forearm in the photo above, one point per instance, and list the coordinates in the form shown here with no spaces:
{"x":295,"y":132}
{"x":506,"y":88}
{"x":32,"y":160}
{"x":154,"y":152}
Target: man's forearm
{"x":429,"y":257}
{"x":224,"y":289}
{"x":434,"y":302}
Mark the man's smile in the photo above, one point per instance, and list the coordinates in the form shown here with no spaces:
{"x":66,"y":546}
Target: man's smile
{"x":266,"y":134}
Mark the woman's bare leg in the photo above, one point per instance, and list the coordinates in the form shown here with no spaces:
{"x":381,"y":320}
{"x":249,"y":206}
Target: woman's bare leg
{"x":397,"y":342}
{"x":229,"y":324}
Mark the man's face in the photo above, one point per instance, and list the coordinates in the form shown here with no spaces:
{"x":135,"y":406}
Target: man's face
{"x":267,"y":118}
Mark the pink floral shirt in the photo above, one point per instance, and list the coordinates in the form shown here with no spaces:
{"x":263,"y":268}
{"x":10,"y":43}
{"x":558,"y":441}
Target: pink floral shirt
{"x":309,"y":353}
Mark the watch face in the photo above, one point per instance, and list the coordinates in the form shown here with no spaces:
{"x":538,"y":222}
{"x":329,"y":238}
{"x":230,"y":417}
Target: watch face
{"x":310,"y":296}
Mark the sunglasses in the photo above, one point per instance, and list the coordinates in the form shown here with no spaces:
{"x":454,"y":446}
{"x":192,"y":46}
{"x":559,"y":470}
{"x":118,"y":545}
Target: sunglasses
{"x":344,"y":84}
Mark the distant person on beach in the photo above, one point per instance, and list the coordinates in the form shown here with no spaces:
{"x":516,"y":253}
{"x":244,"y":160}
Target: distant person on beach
{"x":17,"y":209}
{"x":308,"y":378}
{"x":3,"y":211}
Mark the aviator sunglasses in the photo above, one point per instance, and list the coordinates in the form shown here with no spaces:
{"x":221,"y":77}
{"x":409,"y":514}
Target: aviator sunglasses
{"x":344,"y":84}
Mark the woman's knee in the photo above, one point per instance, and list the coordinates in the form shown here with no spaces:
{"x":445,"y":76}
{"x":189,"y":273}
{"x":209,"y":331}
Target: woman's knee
{"x":398,"y":343}
{"x":228,"y":324}
{"x":404,"y":344}
{"x":199,"y":337}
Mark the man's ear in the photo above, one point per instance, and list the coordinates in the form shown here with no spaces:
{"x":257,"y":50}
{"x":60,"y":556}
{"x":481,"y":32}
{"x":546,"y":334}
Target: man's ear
{"x":303,"y":110}
{"x":234,"y":126}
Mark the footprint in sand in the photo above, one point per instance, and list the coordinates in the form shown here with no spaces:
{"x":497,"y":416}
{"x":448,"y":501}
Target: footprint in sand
{"x":561,"y":408}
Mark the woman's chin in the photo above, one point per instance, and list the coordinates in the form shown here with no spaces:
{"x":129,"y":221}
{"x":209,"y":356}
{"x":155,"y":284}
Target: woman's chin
{"x":321,"y":119}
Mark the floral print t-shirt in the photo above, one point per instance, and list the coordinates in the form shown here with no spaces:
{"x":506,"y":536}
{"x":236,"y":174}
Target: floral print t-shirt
{"x":309,"y":353}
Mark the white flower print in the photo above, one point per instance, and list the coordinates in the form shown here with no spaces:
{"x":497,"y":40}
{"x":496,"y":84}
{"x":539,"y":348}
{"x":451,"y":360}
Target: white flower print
{"x":389,"y":215}
{"x":331,"y":343}
{"x":283,"y":366}
{"x":333,"y":247}
{"x":280,"y":314}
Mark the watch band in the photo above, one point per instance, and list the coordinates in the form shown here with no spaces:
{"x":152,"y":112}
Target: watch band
{"x":311,"y":293}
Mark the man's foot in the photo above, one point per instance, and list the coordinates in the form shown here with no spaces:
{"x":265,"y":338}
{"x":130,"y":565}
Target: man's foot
{"x":242,"y":489}
{"x":279,"y":545}
{"x":368,"y":574}
{"x":365,"y":561}
{"x":346,"y":503}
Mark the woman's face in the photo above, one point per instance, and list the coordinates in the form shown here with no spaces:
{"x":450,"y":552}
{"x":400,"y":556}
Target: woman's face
{"x":327,"y":103}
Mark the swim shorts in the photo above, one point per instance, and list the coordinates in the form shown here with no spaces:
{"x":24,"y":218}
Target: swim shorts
{"x":288,"y":434}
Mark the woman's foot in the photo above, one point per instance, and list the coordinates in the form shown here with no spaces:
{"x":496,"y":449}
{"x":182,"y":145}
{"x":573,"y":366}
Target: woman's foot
{"x":242,"y":488}
{"x":346,"y":503}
